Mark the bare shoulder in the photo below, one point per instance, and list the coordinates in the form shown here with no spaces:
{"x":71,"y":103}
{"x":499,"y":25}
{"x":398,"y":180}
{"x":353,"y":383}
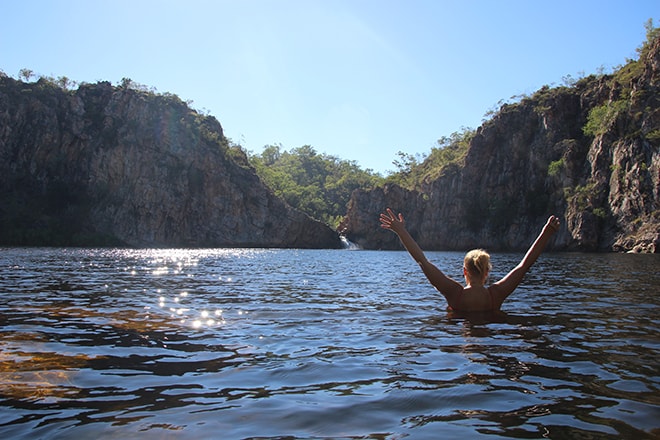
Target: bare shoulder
{"x":498,"y":294}
{"x":444,"y":284}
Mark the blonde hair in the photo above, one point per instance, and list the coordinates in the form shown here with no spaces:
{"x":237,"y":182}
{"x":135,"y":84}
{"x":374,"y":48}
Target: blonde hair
{"x":477,"y":263}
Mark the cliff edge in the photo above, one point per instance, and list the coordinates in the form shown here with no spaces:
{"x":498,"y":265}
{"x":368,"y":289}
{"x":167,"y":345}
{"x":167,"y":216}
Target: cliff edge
{"x":588,"y":153}
{"x":112,"y":165}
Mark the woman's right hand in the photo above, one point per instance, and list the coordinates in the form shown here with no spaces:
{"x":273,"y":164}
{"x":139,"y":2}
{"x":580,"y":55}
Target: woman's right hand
{"x":553,"y":224}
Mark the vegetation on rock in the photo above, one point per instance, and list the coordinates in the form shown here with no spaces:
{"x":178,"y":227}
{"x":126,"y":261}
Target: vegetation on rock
{"x":317,"y":184}
{"x":587,"y":149}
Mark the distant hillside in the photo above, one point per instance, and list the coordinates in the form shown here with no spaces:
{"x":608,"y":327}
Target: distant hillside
{"x":112,"y":165}
{"x":588,"y":153}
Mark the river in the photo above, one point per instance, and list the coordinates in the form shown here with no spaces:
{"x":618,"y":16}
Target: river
{"x":301,"y":344}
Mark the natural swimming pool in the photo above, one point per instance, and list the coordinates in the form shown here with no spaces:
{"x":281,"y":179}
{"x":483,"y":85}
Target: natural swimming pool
{"x":255,"y":343}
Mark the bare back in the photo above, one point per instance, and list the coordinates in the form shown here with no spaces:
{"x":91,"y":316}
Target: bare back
{"x":473,"y":299}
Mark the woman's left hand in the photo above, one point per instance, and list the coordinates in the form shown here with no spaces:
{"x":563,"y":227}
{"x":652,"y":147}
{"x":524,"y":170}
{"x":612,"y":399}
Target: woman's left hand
{"x":388,"y":220}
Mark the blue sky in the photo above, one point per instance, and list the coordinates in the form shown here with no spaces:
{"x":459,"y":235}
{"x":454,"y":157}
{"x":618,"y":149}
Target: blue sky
{"x":358,"y":79}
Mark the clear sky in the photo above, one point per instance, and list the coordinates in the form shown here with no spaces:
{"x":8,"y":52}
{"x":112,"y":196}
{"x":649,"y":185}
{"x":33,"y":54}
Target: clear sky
{"x":357,"y":79}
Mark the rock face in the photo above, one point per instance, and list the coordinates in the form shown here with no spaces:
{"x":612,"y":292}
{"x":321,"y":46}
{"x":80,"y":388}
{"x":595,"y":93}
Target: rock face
{"x":532,"y":160}
{"x":105,"y":165}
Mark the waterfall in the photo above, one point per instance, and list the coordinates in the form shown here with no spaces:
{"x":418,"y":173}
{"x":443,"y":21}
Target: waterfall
{"x":346,"y":244}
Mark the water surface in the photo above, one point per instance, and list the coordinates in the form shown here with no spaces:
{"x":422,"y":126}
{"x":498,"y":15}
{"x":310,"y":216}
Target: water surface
{"x":298,"y":344}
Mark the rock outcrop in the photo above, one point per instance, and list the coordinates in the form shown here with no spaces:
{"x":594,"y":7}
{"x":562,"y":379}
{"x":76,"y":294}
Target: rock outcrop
{"x":533,"y":159}
{"x":106,"y":165}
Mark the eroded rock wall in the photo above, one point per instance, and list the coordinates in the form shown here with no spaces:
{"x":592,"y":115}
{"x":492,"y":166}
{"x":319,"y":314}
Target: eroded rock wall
{"x":533,"y":159}
{"x":112,"y":165}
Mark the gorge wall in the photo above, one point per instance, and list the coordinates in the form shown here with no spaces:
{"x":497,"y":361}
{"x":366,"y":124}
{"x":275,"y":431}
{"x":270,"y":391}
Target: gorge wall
{"x":532,"y":160}
{"x":106,"y":165}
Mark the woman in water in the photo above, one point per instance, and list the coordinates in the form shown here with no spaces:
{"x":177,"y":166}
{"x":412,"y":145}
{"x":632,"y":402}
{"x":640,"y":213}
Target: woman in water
{"x":475,"y":296}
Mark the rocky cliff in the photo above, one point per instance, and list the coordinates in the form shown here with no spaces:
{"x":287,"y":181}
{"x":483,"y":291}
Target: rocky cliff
{"x":106,"y":165}
{"x":533,"y":159}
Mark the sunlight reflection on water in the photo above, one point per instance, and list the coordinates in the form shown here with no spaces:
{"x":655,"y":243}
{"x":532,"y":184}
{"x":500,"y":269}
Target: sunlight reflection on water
{"x":114,"y":343}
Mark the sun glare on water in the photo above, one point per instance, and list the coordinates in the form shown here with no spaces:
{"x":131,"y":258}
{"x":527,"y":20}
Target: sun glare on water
{"x":184,"y":305}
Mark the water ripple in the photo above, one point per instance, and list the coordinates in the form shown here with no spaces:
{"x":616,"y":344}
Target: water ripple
{"x":234,"y":343}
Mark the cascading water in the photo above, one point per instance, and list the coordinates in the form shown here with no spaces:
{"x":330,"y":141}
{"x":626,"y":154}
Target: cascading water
{"x":347,"y":244}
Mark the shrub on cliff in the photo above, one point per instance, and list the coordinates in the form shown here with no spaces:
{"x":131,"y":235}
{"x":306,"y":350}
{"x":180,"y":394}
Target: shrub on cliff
{"x":413,"y":172}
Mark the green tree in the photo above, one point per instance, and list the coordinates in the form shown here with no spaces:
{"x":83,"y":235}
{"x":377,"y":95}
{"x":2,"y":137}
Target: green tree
{"x":414,"y":171}
{"x":652,"y":33}
{"x":26,"y":74}
{"x":601,"y":117}
{"x":317,"y":184}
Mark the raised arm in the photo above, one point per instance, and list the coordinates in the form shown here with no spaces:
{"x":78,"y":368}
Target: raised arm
{"x":445,"y":285}
{"x":508,"y":284}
